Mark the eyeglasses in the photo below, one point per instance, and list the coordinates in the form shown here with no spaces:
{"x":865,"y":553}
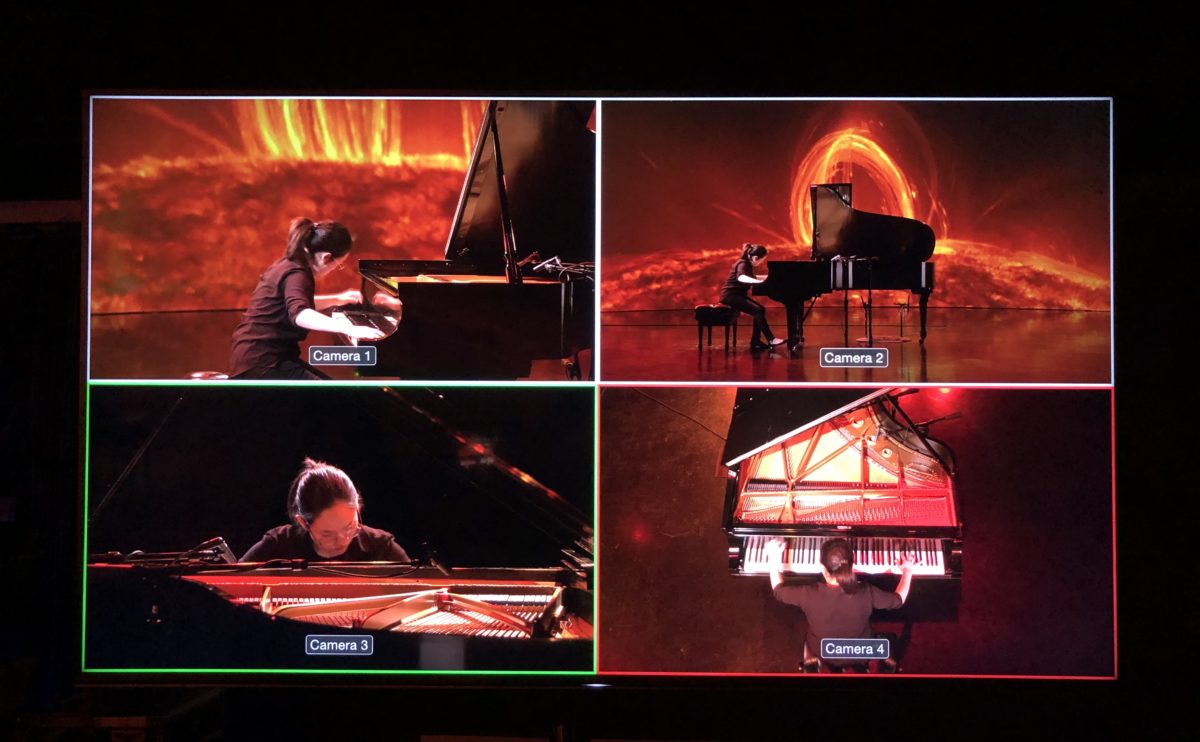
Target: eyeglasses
{"x":348,"y":532}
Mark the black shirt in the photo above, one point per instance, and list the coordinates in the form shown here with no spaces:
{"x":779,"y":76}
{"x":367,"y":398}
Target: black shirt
{"x":733,"y":285}
{"x":293,"y":542}
{"x":268,"y":334}
{"x":834,"y":614}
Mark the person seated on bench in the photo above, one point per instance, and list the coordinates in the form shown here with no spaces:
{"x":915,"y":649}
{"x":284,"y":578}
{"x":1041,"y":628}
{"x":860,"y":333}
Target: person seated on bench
{"x":736,"y":293}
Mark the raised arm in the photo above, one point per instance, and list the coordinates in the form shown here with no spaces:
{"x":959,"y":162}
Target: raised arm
{"x":774,"y":553}
{"x":906,"y":570}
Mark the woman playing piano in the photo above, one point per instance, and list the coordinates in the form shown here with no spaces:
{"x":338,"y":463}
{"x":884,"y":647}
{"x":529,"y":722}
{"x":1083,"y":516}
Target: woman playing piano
{"x":840,"y":606}
{"x":326,"y":510}
{"x":283,"y":307}
{"x":736,"y":293}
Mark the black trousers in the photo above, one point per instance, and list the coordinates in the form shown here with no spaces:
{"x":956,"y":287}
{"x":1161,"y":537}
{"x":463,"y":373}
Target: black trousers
{"x":289,"y":370}
{"x":754,"y":309}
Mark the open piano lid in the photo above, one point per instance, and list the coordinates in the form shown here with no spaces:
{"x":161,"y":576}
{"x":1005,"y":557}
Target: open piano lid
{"x":836,"y":459}
{"x":841,"y":230}
{"x":764,"y":417}
{"x":549,"y":156}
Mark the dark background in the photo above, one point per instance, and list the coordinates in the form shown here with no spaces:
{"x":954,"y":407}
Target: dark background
{"x":51,"y":57}
{"x":218,"y":461}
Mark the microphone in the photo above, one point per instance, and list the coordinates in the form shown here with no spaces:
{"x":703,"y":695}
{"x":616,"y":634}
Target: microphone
{"x":433,"y":562}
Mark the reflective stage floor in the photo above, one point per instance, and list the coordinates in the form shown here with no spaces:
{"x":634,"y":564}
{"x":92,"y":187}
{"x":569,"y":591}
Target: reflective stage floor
{"x":176,"y":345}
{"x":962,"y":346}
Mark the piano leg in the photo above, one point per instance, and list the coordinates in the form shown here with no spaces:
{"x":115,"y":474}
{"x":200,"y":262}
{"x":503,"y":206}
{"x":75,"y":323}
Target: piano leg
{"x":846,"y":318}
{"x":795,"y":327}
{"x":924,"y":304}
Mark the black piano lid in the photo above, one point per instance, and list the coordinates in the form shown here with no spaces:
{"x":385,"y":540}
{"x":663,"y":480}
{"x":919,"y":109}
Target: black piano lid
{"x":549,"y":157}
{"x":763,"y":417}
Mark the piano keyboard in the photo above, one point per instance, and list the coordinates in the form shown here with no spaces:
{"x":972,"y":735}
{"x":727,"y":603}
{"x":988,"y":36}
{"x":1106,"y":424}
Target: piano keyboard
{"x":382,"y":321}
{"x":872,"y":555}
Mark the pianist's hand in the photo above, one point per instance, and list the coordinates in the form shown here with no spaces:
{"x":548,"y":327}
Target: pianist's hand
{"x":360,"y":332}
{"x":774,"y":551}
{"x":905,"y":563}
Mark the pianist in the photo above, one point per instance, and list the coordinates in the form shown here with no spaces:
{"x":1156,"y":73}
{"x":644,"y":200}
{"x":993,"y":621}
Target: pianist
{"x":840,"y":606}
{"x":283,"y":307}
{"x":736,"y":293}
{"x":325,"y":509}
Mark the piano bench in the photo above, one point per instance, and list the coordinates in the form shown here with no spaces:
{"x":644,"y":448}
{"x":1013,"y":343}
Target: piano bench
{"x":714,"y":315}
{"x":813,"y":663}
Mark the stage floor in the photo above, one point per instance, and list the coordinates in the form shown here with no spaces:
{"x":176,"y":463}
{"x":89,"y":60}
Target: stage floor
{"x":177,"y":345}
{"x":962,"y":346}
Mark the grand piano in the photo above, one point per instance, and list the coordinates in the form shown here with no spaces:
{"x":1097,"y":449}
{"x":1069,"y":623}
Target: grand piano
{"x":501,"y":578}
{"x":496,"y":304}
{"x":809,"y":465}
{"x":197,"y":614}
{"x":852,"y":250}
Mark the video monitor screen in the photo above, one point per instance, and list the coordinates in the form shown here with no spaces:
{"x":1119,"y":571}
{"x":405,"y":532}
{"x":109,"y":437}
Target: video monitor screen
{"x":576,"y":390}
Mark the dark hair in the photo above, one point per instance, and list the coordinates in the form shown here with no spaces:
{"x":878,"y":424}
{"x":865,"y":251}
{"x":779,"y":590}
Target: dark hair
{"x":838,"y":560}
{"x":750,"y":250}
{"x":307,"y":238}
{"x":317,"y":487}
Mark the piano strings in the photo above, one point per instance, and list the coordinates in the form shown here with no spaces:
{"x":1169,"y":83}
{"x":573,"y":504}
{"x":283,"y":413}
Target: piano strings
{"x":866,"y":473}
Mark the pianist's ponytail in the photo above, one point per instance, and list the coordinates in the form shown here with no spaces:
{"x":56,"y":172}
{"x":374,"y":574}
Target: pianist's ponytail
{"x":750,"y":250}
{"x":307,"y":238}
{"x":317,"y":487}
{"x":838,"y":560}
